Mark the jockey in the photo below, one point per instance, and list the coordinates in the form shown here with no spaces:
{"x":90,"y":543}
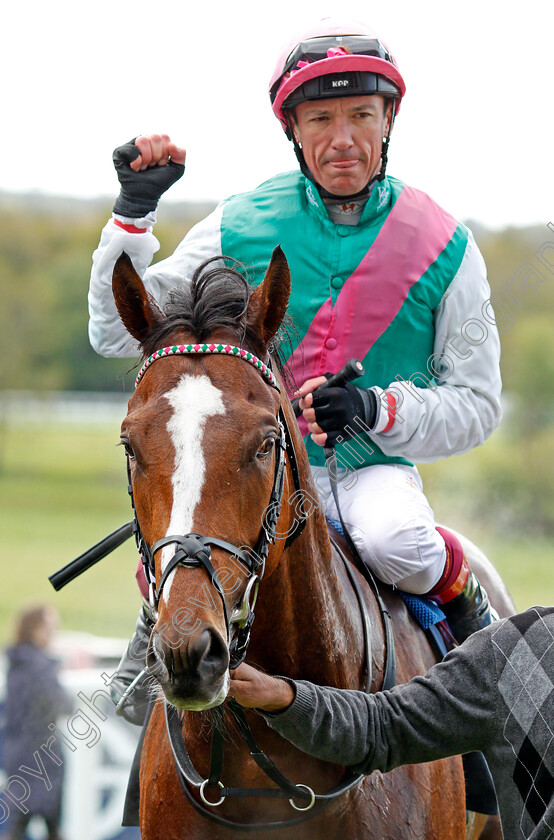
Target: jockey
{"x":379,"y":272}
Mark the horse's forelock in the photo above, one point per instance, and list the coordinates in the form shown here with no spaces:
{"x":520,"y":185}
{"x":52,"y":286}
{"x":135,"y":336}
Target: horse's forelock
{"x":215,"y":299}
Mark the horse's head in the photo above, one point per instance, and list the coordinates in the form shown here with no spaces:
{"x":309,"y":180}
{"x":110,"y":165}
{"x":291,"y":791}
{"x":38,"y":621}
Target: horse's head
{"x":204,"y":446}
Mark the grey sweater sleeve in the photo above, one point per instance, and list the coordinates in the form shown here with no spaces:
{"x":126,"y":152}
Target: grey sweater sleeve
{"x":450,"y":710}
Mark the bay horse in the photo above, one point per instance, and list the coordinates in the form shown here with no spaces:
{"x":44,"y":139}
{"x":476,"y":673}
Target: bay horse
{"x":222,"y":496}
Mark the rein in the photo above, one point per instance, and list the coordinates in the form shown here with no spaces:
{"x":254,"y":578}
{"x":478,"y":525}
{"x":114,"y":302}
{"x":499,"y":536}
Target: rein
{"x":193,"y":550}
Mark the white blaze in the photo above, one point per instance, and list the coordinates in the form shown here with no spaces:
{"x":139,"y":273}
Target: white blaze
{"x":193,"y":400}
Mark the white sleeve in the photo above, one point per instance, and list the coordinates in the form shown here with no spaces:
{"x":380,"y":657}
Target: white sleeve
{"x":107,"y":334}
{"x":462,"y":410}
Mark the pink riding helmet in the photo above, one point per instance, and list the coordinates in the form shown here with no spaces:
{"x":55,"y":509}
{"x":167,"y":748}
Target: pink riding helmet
{"x":345,"y":56}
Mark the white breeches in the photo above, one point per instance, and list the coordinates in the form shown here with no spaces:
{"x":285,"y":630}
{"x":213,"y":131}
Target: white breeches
{"x":391,"y":523}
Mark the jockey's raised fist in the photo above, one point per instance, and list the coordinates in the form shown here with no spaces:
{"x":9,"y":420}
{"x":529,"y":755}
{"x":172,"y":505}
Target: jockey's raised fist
{"x":146,"y":167}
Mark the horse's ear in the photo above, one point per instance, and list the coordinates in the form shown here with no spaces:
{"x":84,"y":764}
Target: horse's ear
{"x":268,"y":303}
{"x":137,"y":308}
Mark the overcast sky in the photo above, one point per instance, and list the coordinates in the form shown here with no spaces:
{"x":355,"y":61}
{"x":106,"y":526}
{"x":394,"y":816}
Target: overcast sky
{"x":475,"y":129}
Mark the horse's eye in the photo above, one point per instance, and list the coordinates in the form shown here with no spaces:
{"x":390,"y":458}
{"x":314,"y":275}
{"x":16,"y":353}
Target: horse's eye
{"x":128,"y":448}
{"x":266,"y":447}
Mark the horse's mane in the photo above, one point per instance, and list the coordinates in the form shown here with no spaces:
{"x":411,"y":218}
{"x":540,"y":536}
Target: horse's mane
{"x":216,"y":298}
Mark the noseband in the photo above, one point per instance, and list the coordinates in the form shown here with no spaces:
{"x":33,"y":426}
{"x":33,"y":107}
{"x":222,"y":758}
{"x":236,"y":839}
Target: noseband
{"x":194,"y":550}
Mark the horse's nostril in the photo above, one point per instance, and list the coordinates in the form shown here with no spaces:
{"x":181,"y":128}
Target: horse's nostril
{"x":185,"y":664}
{"x":199,"y":649}
{"x":211,"y":657}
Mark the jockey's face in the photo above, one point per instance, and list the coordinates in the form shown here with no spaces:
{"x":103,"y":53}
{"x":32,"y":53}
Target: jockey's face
{"x":342,"y":140}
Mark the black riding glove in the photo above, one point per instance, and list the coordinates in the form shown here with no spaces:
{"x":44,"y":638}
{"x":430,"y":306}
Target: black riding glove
{"x":337,"y":408}
{"x":141,"y":191}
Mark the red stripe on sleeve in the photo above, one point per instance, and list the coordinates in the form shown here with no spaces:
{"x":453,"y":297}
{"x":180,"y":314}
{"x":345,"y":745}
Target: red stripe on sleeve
{"x":129,"y":228}
{"x":391,"y":400}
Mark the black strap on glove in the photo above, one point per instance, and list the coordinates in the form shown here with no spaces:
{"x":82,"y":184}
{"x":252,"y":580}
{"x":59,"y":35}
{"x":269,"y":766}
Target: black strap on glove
{"x":141,"y":191}
{"x":338,"y":409}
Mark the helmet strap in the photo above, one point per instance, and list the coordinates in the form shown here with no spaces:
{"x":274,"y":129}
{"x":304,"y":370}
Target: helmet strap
{"x":298,"y":150}
{"x":385,"y":146}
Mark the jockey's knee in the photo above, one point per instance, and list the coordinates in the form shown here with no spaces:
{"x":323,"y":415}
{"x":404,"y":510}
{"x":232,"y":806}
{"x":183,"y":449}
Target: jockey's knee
{"x":403,"y":554}
{"x":422,"y":582}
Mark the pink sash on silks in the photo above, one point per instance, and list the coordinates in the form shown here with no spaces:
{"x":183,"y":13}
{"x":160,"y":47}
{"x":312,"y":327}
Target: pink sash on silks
{"x":415,"y":233}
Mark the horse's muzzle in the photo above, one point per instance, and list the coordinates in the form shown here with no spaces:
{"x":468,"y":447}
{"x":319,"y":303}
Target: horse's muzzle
{"x":192,"y":670}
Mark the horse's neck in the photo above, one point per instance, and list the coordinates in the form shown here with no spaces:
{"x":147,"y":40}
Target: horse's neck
{"x":308,"y":621}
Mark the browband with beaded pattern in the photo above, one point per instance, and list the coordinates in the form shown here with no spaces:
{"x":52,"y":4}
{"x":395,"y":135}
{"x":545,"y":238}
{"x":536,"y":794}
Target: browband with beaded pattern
{"x":199,"y":349}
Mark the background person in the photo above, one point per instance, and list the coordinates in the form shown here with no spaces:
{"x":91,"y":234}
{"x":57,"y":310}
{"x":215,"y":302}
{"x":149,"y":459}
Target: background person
{"x":494,"y":693}
{"x":34,"y":699}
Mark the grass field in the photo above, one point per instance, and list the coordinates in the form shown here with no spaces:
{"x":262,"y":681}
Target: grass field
{"x":64,"y":487}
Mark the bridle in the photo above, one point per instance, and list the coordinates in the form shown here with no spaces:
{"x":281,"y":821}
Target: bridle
{"x":193,"y":550}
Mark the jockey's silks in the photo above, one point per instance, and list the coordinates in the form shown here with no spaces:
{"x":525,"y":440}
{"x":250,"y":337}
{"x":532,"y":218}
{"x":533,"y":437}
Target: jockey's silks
{"x":367,"y":291}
